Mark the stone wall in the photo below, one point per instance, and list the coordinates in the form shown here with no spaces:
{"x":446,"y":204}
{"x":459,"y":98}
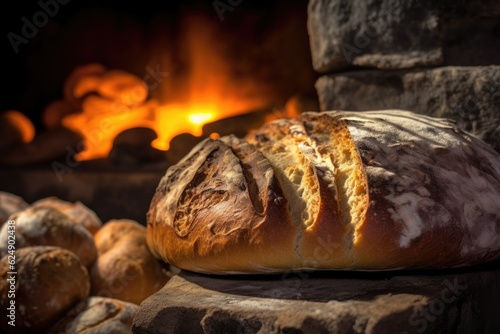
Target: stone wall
{"x":439,"y":58}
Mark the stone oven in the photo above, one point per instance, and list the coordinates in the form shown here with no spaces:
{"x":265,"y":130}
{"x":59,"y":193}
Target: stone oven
{"x":93,"y":86}
{"x":191,"y":69}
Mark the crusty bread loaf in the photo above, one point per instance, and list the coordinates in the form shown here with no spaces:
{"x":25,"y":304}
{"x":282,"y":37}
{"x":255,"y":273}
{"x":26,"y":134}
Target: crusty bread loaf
{"x":9,"y":204}
{"x":374,"y":190}
{"x":77,"y":212}
{"x":48,"y":281}
{"x":46,"y":226}
{"x":125,"y":268}
{"x":97,"y":315}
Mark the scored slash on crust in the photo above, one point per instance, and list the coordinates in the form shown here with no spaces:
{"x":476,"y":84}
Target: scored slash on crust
{"x":321,"y":174}
{"x":296,"y":180}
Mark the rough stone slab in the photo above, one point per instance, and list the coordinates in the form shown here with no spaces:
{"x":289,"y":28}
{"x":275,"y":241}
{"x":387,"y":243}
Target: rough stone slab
{"x":397,"y":34}
{"x":457,"y":301}
{"x":468,"y":95}
{"x":388,"y":34}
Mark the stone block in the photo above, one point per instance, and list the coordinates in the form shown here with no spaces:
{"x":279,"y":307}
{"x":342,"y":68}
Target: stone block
{"x":397,"y":34}
{"x":448,"y":301}
{"x":386,"y":34}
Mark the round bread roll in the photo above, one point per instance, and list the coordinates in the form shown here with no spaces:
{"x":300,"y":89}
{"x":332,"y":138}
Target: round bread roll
{"x":47,"y":282}
{"x":46,"y":226}
{"x":9,"y":204}
{"x":125,"y":268}
{"x":77,"y":211}
{"x":97,"y":315}
{"x":377,"y":190}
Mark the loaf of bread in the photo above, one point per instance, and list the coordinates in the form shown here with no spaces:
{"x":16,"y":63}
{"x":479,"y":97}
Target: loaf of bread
{"x":97,"y":315}
{"x":9,"y":204}
{"x":374,"y":190}
{"x":47,"y":281}
{"x":46,"y":226}
{"x":125,"y":268}
{"x":77,"y":212}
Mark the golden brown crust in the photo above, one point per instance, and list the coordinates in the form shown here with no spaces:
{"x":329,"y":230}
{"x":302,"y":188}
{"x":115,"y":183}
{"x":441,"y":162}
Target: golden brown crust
{"x":115,"y":231}
{"x":49,"y":281}
{"x":361,"y":190}
{"x":125,"y":268}
{"x":212,"y":236}
{"x":329,"y":244}
{"x":307,"y":180}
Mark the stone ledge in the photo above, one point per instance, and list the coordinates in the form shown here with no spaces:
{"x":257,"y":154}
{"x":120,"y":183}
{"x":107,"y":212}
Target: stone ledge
{"x":456,"y":301}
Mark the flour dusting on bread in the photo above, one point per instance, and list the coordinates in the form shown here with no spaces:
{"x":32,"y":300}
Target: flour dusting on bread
{"x":387,"y":189}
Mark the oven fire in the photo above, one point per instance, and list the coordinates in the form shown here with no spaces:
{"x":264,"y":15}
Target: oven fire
{"x":107,"y":102}
{"x":115,"y":101}
{"x":175,"y":76}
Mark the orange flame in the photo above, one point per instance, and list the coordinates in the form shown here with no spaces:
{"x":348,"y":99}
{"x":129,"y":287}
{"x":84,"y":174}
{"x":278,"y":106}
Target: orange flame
{"x":21,"y":123}
{"x":100,"y":128}
{"x":207,"y":92}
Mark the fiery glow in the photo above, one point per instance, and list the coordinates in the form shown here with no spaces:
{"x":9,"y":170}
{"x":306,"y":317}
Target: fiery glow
{"x":103,"y":119}
{"x":100,"y":126}
{"x":173,"y":120}
{"x":207,"y":91}
{"x":200,"y":118}
{"x":21,"y":123}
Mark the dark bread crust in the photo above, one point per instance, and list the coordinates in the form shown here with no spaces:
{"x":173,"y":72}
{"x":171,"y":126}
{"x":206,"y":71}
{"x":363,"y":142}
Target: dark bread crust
{"x":77,"y":212}
{"x":333,"y":190}
{"x":97,"y":315}
{"x":49,"y":281}
{"x":46,"y":226}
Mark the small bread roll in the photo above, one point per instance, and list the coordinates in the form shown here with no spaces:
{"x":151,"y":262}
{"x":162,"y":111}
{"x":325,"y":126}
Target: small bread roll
{"x":46,"y":226}
{"x":97,"y":315}
{"x":48,"y":282}
{"x":9,"y":204}
{"x":125,"y":268}
{"x":77,"y":211}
